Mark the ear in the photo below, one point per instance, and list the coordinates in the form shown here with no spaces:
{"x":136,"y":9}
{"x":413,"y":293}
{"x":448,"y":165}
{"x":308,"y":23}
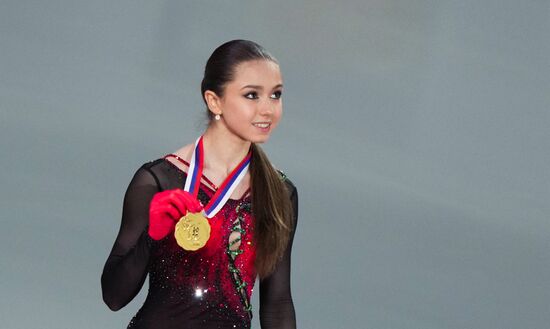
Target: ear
{"x":213,"y":102}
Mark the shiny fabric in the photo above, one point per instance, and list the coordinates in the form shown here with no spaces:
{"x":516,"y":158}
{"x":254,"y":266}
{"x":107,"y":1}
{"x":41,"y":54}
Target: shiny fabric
{"x":208,"y":288}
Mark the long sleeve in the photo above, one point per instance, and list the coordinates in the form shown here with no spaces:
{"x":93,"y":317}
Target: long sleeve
{"x":126,"y":267}
{"x":276,"y":305}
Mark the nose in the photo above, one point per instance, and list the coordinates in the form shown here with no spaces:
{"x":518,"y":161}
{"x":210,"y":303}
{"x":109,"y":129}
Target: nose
{"x":266,"y":107}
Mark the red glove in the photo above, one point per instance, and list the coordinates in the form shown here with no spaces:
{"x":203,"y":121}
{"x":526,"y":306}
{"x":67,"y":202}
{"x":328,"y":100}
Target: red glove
{"x":166,"y":208}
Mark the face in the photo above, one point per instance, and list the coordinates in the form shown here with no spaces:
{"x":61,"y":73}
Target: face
{"x":252,"y":106}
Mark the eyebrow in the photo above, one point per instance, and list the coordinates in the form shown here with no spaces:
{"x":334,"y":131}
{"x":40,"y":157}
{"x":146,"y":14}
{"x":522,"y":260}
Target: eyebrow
{"x":260,"y":87}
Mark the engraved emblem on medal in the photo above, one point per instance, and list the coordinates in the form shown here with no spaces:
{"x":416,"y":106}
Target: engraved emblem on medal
{"x":192,"y":231}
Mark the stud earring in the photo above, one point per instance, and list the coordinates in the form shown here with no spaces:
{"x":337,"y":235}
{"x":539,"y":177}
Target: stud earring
{"x":217,"y":117}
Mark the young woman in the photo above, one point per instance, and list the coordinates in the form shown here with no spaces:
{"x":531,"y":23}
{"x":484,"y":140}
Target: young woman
{"x":207,"y":219}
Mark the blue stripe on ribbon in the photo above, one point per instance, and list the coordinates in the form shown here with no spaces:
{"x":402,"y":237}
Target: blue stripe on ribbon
{"x":195,"y":172}
{"x":215,"y":203}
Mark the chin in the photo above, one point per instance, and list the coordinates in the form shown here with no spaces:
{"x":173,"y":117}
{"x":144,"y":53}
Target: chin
{"x":258,"y":140}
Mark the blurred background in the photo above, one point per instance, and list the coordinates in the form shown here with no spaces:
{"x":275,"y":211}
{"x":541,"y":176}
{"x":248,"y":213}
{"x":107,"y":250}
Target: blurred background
{"x":416,"y":132}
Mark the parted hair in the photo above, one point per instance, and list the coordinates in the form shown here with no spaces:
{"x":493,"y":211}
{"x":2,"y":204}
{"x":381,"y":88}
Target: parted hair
{"x":271,"y":204}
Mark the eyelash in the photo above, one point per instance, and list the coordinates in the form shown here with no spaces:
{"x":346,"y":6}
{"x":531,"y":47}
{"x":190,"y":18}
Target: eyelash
{"x":254,"y":93}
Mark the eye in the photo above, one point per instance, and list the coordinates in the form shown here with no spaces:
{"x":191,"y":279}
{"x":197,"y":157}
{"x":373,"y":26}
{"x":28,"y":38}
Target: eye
{"x":277,"y":94}
{"x":253,"y":94}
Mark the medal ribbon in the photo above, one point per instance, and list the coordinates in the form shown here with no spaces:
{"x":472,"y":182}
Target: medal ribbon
{"x":225,"y":190}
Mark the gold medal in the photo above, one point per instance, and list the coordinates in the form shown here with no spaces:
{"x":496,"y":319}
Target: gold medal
{"x":192,"y":231}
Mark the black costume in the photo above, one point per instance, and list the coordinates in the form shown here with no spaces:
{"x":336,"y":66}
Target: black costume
{"x":190,"y":289}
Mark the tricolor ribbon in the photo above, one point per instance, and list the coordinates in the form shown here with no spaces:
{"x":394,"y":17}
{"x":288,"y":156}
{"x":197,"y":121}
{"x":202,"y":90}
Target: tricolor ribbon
{"x":225,"y":190}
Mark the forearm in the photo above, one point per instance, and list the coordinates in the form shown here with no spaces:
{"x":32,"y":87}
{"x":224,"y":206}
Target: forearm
{"x":124,"y":275}
{"x":278,"y":315}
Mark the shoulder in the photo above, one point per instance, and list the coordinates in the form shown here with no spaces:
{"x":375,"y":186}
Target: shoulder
{"x":182,"y":157}
{"x":148,"y":170}
{"x":284,"y":177}
{"x":152,"y":166}
{"x":156,"y":168}
{"x":161,"y":168}
{"x":185,"y":152}
{"x":288,"y":182}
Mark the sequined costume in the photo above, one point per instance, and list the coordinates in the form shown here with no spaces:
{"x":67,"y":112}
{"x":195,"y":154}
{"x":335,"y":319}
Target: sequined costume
{"x":200,"y":289}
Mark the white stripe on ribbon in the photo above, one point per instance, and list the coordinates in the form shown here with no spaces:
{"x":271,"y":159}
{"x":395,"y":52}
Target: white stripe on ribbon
{"x":192,"y":166}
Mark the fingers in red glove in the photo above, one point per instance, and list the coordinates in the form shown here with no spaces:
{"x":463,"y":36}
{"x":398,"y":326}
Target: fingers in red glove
{"x":186,"y":202}
{"x":166,"y":208}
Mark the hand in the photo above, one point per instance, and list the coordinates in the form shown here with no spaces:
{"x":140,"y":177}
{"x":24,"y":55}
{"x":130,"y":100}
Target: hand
{"x":166,"y":208}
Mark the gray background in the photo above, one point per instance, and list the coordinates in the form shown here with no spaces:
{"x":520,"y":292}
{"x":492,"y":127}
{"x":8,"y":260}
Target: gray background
{"x":416,"y":132}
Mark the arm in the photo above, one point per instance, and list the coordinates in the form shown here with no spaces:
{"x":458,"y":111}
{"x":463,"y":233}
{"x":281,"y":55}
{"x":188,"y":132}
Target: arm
{"x":126,"y":267}
{"x":276,"y":305}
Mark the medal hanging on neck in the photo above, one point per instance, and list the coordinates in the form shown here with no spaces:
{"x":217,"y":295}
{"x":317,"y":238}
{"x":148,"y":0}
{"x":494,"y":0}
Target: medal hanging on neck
{"x":193,"y":230}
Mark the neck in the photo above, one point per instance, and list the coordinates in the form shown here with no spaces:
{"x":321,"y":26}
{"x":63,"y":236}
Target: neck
{"x":223,"y":151}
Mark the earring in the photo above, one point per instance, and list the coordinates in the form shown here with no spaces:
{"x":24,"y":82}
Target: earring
{"x":217,"y":117}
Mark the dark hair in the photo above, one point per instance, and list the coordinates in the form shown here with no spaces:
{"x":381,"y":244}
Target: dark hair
{"x":271,"y":205}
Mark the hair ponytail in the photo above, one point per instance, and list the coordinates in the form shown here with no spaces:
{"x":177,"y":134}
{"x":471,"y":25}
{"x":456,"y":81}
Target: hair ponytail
{"x":272,"y":211}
